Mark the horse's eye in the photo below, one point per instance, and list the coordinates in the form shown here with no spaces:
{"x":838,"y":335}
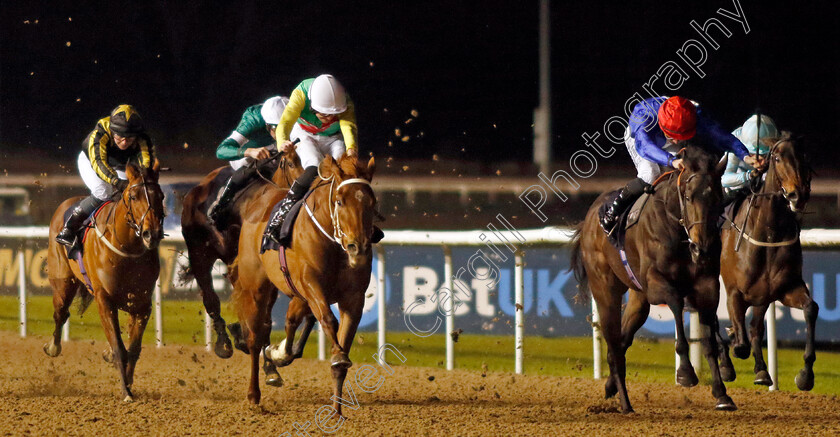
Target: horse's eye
{"x":339,"y":202}
{"x":132,"y":197}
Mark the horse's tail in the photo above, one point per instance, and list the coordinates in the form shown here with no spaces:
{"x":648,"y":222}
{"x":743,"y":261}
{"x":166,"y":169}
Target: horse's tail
{"x":576,"y":265}
{"x":85,"y":299}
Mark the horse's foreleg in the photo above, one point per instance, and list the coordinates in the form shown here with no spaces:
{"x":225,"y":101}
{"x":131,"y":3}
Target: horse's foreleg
{"x":756,"y":338}
{"x":321,"y":309}
{"x":801,"y":298}
{"x":111,"y":326}
{"x":708,"y":318}
{"x":727,"y":369}
{"x":351,"y":313}
{"x":635,"y":314}
{"x":202,"y":269}
{"x":283,"y":354}
{"x":63,"y":292}
{"x":737,"y":315}
{"x":686,"y":376}
{"x":308,"y":323}
{"x":254,"y":347}
{"x":136,"y":328}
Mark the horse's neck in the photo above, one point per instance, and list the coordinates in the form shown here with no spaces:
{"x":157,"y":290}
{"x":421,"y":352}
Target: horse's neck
{"x":319,"y":204}
{"x":117,"y":230}
{"x":771,"y":211}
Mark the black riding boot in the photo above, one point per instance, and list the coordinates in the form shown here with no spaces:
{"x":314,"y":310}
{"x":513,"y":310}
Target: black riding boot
{"x":238,"y":180}
{"x":625,"y":198}
{"x":67,"y":235}
{"x":299,"y":188}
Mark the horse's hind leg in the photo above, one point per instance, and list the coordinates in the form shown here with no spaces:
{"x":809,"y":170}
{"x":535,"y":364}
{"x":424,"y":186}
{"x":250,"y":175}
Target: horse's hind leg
{"x":64,"y":290}
{"x":136,"y":327}
{"x":801,"y":298}
{"x":635,"y":314}
{"x":202,"y":268}
{"x":610,"y":315}
{"x":705,"y":301}
{"x":111,"y":326}
{"x":737,"y":315}
{"x":727,"y":369}
{"x":756,"y":339}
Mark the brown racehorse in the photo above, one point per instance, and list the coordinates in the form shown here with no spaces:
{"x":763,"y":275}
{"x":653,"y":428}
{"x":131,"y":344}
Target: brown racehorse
{"x":206,"y":244}
{"x":122,"y":262}
{"x":768,"y":263}
{"x":674,"y":251}
{"x":329,"y":261}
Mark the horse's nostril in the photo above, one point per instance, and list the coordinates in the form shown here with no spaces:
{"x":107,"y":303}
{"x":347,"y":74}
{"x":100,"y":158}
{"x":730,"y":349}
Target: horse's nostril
{"x":147,"y":235}
{"x":693,"y":248}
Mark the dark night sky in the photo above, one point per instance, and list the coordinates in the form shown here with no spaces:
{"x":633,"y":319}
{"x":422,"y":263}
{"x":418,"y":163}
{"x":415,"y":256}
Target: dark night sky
{"x":192,"y":67}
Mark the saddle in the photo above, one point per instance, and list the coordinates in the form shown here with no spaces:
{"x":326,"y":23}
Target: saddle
{"x":81,"y":234}
{"x":628,"y":218}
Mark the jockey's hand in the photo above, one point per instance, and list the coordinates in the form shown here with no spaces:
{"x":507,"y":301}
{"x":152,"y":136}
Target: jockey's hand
{"x":752,"y":161}
{"x":678,"y":164}
{"x":352,"y":152}
{"x":287,"y":146}
{"x":257,"y":153}
{"x":121,"y":185}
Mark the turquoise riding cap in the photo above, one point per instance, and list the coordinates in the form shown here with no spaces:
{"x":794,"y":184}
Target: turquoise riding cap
{"x":753,"y":131}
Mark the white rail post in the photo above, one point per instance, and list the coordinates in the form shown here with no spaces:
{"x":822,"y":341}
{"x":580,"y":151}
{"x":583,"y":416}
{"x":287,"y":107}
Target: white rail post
{"x":596,"y":341}
{"x":65,"y":331}
{"x":208,"y":332}
{"x":450,"y":311}
{"x":519,"y":328}
{"x":695,"y":332}
{"x":158,"y":315}
{"x":22,"y":291}
{"x":322,"y":343}
{"x":772,"y":359}
{"x":380,"y":298}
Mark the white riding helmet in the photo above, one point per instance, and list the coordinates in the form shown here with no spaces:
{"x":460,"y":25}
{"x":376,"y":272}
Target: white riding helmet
{"x":753,"y":131}
{"x":273,"y":108}
{"x":327,"y":96}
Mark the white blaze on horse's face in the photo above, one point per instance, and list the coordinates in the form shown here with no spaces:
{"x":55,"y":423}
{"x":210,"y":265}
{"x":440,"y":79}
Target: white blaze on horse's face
{"x":354,"y":212}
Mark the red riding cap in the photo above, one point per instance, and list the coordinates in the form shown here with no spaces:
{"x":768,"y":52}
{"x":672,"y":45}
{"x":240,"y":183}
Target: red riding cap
{"x":678,"y":118}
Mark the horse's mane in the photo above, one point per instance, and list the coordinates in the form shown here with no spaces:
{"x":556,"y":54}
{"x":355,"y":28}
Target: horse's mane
{"x":697,"y":159}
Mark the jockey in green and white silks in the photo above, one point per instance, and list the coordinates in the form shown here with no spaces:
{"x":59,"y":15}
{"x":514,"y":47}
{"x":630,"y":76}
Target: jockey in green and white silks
{"x":738,"y":173}
{"x":252,"y":140}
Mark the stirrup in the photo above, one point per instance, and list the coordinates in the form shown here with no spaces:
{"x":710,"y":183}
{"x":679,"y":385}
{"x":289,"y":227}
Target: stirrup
{"x":65,"y":241}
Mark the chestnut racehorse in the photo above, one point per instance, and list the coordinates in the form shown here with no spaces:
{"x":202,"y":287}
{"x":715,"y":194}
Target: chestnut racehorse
{"x":329,"y":261}
{"x":767,"y":265}
{"x":206,"y":244}
{"x":674,"y":251}
{"x":122,"y":263}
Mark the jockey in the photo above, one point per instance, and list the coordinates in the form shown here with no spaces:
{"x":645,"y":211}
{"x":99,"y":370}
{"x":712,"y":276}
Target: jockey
{"x":252,"y":140}
{"x":322,"y":117}
{"x":116,"y":140}
{"x":738,"y":174}
{"x":657,"y":128}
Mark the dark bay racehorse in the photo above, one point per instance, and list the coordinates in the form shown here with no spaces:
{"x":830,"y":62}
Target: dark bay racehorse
{"x":674,"y":251}
{"x":206,"y":244}
{"x":122,"y":262}
{"x":329,"y":261}
{"x":767,"y":265}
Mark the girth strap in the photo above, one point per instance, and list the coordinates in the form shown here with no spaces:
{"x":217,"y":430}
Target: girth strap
{"x":630,"y":273}
{"x":284,"y":267}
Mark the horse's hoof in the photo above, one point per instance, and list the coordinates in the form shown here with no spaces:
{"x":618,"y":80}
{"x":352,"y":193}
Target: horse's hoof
{"x":741,"y":351}
{"x":52,"y":350}
{"x":687,"y":378}
{"x":610,"y":389}
{"x":763,"y":378}
{"x":341,"y":361}
{"x":128,"y":399}
{"x":274,"y":380}
{"x":727,"y":373}
{"x":108,"y":356}
{"x":238,"y":335}
{"x":724,"y":403}
{"x":629,"y":410}
{"x":223,"y":348}
{"x":805,"y":380}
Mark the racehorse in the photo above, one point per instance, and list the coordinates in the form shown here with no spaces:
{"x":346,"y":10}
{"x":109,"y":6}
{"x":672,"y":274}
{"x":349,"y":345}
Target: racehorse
{"x":766,"y":265}
{"x":121,"y":261}
{"x":328,"y":261}
{"x":674,"y":250}
{"x":206,"y":244}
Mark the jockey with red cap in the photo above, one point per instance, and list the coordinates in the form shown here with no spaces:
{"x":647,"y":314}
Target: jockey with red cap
{"x":657,"y":128}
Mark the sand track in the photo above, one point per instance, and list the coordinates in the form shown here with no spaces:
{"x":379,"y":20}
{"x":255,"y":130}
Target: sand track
{"x":186,"y":391}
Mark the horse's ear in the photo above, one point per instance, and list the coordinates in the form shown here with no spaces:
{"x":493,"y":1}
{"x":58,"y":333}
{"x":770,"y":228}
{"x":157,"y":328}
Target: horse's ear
{"x":155,"y":169}
{"x":371,"y":168}
{"x":132,"y":171}
{"x":329,"y":168}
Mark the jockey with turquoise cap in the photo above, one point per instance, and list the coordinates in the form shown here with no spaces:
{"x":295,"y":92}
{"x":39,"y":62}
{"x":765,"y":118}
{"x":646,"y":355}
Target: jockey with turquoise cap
{"x":252,"y":140}
{"x":656,"y":131}
{"x":738,"y":174}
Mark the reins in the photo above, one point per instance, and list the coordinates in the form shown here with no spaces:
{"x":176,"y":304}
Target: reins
{"x":110,"y":222}
{"x":338,"y":233}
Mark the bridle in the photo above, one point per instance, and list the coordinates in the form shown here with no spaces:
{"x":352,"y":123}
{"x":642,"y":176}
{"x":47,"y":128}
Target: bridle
{"x":338,"y":233}
{"x":131,"y":221}
{"x":683,"y":221}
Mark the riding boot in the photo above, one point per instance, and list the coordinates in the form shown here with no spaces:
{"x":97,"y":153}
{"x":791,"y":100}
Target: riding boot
{"x":67,"y":235}
{"x":625,"y":198}
{"x":238,"y":180}
{"x":296,"y":192}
